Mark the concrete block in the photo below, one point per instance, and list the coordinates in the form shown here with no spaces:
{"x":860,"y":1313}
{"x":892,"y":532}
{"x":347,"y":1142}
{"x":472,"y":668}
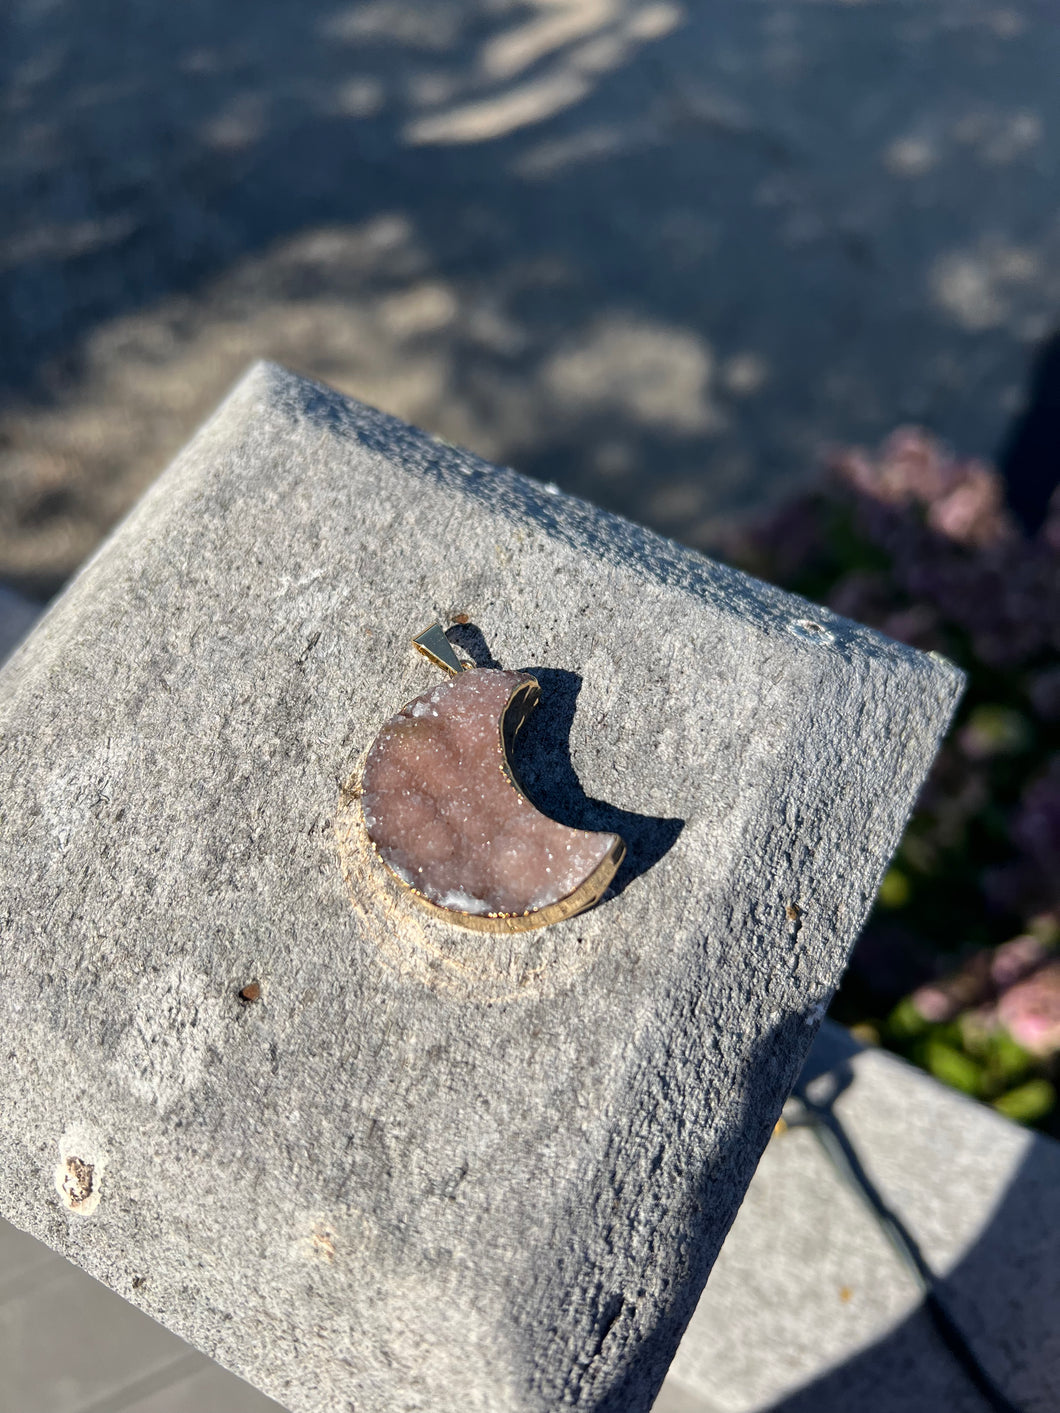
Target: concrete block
{"x":808,"y":1308}
{"x":428,"y":1168}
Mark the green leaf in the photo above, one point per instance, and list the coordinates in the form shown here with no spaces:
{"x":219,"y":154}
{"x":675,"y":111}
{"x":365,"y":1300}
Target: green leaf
{"x":905,"y":1022}
{"x":994,"y":730}
{"x":952,"y":1066}
{"x":1029,"y":1102}
{"x":894,"y":890}
{"x":1007,"y":1057}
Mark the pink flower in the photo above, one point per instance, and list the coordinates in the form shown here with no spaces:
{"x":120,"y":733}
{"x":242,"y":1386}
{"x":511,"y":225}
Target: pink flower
{"x":970,"y":985}
{"x":973,"y":512}
{"x":965,"y":500}
{"x":982,"y":978}
{"x":953,"y":548}
{"x":1030,"y":1011}
{"x":934,"y":1003}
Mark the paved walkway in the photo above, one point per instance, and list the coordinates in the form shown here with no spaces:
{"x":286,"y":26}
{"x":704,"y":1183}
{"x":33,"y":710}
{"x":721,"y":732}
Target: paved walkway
{"x":656,"y":251}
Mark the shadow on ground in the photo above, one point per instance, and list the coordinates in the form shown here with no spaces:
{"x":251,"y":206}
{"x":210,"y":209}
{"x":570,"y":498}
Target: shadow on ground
{"x":992,"y":1292}
{"x":1003,"y":1298}
{"x":655,"y":252}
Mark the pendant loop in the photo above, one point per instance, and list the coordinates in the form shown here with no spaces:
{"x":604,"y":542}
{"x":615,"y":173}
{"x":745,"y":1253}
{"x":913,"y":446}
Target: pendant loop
{"x":433,"y":644}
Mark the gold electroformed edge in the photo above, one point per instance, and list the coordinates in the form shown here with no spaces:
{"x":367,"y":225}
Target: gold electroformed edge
{"x":524,"y":698}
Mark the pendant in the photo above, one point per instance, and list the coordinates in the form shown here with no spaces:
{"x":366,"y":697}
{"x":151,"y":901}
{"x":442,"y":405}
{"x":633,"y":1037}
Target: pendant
{"x":447,"y":817}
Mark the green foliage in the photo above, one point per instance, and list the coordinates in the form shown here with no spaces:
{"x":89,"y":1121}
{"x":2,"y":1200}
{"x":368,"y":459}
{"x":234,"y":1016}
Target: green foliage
{"x":1029,"y":1102}
{"x":905,"y":1023}
{"x":895,"y":889}
{"x":918,"y":543}
{"x":951,"y":1065}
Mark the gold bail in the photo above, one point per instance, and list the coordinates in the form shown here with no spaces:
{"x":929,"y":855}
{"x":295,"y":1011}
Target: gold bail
{"x":435,"y":645}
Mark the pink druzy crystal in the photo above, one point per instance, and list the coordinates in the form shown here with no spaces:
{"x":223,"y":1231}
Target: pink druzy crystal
{"x":444,"y":814}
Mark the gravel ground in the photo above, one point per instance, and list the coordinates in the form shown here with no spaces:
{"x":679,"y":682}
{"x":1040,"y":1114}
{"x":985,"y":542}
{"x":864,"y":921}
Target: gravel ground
{"x":657,"y":252}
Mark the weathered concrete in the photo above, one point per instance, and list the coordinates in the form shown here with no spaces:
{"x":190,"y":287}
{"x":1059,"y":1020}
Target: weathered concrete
{"x":806,"y":1308}
{"x":809,"y":1309}
{"x":427,"y":1169}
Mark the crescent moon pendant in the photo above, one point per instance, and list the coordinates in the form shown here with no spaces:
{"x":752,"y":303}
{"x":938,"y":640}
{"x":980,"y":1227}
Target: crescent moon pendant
{"x":446,"y":815}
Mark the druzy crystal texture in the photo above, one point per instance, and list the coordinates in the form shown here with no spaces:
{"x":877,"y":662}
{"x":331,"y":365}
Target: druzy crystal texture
{"x":445,"y":814}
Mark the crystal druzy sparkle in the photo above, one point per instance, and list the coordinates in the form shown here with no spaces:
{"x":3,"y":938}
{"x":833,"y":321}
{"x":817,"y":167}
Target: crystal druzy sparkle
{"x":445,"y":815}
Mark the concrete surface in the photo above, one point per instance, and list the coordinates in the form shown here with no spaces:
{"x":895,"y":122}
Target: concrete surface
{"x":809,"y":1310}
{"x":657,"y":252}
{"x":70,"y":1345}
{"x":429,"y":1168}
{"x":807,"y":1307}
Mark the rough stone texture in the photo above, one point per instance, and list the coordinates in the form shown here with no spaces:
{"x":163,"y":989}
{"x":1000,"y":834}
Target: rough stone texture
{"x":807,"y":1307}
{"x":441,"y":809}
{"x":809,"y":1310}
{"x":427,"y":1169}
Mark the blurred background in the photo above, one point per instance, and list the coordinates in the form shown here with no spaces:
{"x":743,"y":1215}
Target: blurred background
{"x":684,"y":259}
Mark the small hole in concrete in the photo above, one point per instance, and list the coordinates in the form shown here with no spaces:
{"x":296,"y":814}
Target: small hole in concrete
{"x":78,"y":1175}
{"x":78,"y":1185}
{"x":810,"y":629}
